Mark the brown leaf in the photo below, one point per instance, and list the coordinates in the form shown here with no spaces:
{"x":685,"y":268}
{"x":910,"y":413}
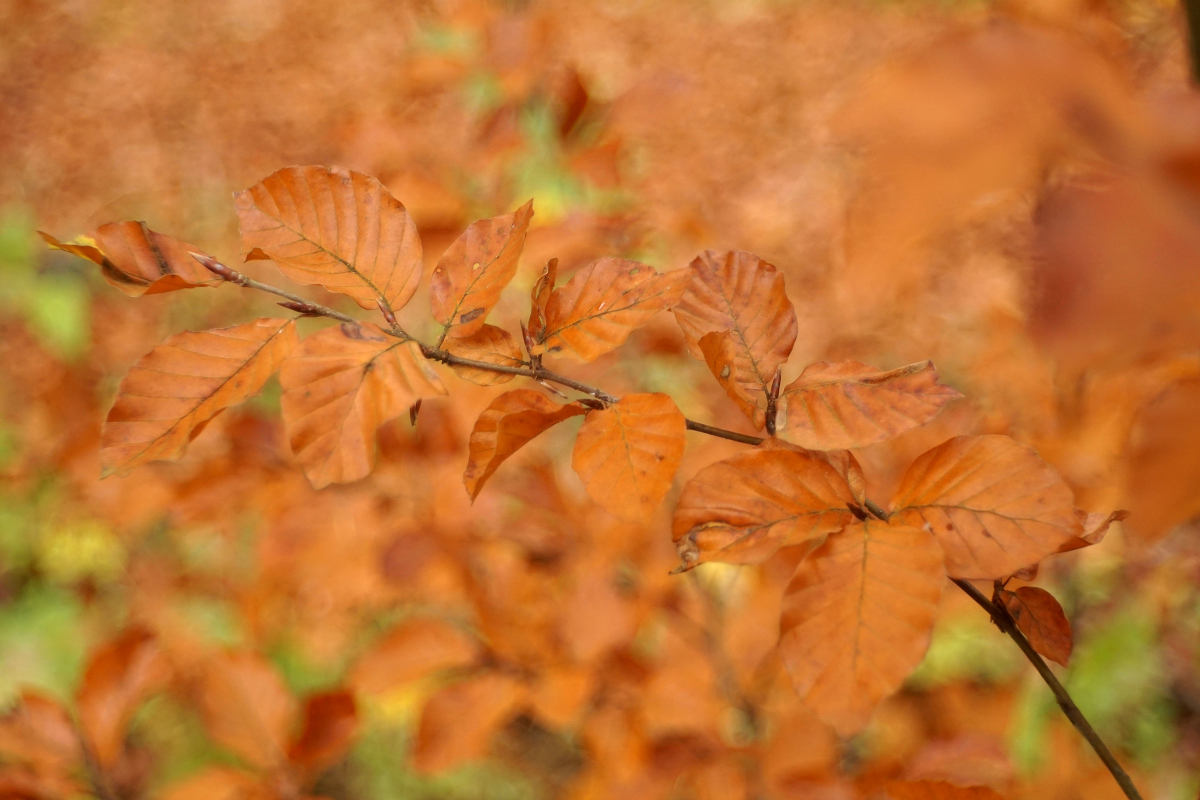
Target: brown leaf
{"x":1039,"y":616}
{"x":505,"y":426}
{"x":219,"y":783}
{"x":247,"y":709}
{"x":140,"y":261}
{"x":174,"y":390}
{"x":740,"y":293}
{"x":720,"y":353}
{"x":1095,"y":525}
{"x":119,"y":676}
{"x":413,"y":649}
{"x":938,"y":790}
{"x":627,"y":453}
{"x":458,"y":722}
{"x":339,"y":386}
{"x":474,"y":270}
{"x":603,"y":303}
{"x":992,"y":503}
{"x":741,"y":510}
{"x":539,"y":296}
{"x":330,"y":726}
{"x":334,"y":227}
{"x":857,"y":618}
{"x":490,"y":344}
{"x":848,"y":404}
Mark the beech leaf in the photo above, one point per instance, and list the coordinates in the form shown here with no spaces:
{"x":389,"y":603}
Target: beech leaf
{"x":539,"y":297}
{"x":505,"y":426}
{"x":603,"y":303}
{"x":458,"y":722}
{"x":848,"y":404}
{"x":1095,"y":525}
{"x":247,"y":708}
{"x":330,"y":726}
{"x":992,"y":503}
{"x":174,"y":390}
{"x":1039,"y":616}
{"x":857,"y":618}
{"x":474,"y":270}
{"x":412,"y":650}
{"x":119,"y":676}
{"x":743,"y":509}
{"x":137,"y":260}
{"x":334,"y":227}
{"x":740,"y":293}
{"x":720,"y":353}
{"x":627,"y":454}
{"x":339,"y":386}
{"x":489,"y":344}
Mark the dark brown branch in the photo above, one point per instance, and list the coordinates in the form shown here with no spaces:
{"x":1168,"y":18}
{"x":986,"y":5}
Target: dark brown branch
{"x":1191,"y":11}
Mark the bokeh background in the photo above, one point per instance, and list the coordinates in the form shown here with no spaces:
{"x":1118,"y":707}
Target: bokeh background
{"x":1011,"y":189}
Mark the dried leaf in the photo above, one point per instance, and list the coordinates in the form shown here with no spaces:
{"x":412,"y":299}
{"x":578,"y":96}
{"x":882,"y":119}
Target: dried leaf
{"x":174,"y":390}
{"x":743,"y":509}
{"x":339,"y":386}
{"x":539,"y":296}
{"x":720,"y":353}
{"x":139,"y":261}
{"x":247,"y":708}
{"x":992,"y":503}
{"x":848,"y":404}
{"x":330,"y":726}
{"x":118,"y":678}
{"x":1095,"y":525}
{"x":740,"y":293}
{"x":505,"y":426}
{"x":938,"y":790}
{"x":857,"y":618}
{"x":334,"y":227}
{"x":458,"y":722}
{"x":490,"y":344}
{"x":474,"y":270}
{"x":603,"y":303}
{"x":219,"y":783}
{"x":413,"y":649}
{"x":1039,"y":616}
{"x":627,"y":453}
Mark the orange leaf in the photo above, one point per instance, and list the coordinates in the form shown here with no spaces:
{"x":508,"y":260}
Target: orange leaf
{"x":848,"y":404}
{"x":720,"y":353}
{"x":339,"y":386}
{"x":560,"y":693}
{"x":39,"y":732}
{"x":413,"y":649}
{"x":219,"y":783}
{"x":330,"y":726}
{"x":119,"y":676}
{"x":539,"y":297}
{"x":474,"y":270}
{"x":741,"y":510}
{"x":993,"y":504}
{"x":490,"y":344}
{"x":247,"y":708}
{"x":627,"y":453}
{"x":1039,"y":616}
{"x":505,"y":426}
{"x":174,"y":390}
{"x":140,"y":261}
{"x":938,"y":790}
{"x":458,"y":722}
{"x":857,"y":618}
{"x":1095,"y":525}
{"x":603,"y":303}
{"x":740,"y":293}
{"x":334,"y":227}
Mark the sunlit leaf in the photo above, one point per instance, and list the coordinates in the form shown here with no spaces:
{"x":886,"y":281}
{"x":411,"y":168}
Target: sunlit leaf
{"x":119,"y":676}
{"x":247,"y":708}
{"x":489,"y":344}
{"x":857,"y":618}
{"x":458,"y":722}
{"x":1039,"y":616}
{"x":329,"y":728}
{"x":139,"y":261}
{"x":413,"y":649}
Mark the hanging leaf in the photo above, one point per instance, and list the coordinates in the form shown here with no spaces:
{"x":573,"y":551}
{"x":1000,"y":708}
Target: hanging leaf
{"x":334,"y":227}
{"x":740,"y":293}
{"x":848,"y":404}
{"x":489,"y":344}
{"x":857,"y":618}
{"x":118,"y":678}
{"x":458,"y":722}
{"x":470,"y":276}
{"x":505,"y":426}
{"x":938,"y":790}
{"x":627,"y":453}
{"x":1039,"y":616}
{"x":339,"y":386}
{"x":330,"y":726}
{"x":992,"y":503}
{"x":413,"y":649}
{"x":539,"y":297}
{"x":247,"y":708}
{"x":603,"y":303}
{"x":720,"y":353}
{"x":174,"y":390}
{"x":139,"y":261}
{"x":743,"y":509}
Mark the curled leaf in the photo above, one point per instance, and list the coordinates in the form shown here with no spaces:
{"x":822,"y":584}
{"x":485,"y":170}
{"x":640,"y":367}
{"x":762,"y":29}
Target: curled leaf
{"x":539,"y":296}
{"x":1095,"y":525}
{"x":627,"y":453}
{"x":137,"y":260}
{"x":334,"y":227}
{"x":857,"y":618}
{"x":849,"y":404}
{"x":505,"y":426}
{"x":489,"y":344}
{"x":1039,"y":616}
{"x":603,"y":303}
{"x":174,"y":390}
{"x":992,"y":503}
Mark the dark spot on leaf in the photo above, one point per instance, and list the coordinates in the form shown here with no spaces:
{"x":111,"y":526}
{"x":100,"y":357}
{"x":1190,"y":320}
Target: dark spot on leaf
{"x":473,"y":314}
